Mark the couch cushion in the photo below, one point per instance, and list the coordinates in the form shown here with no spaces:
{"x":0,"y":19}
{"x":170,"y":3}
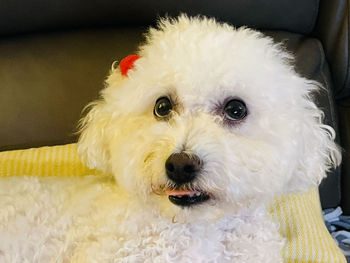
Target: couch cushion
{"x":47,"y":79}
{"x":28,"y":16}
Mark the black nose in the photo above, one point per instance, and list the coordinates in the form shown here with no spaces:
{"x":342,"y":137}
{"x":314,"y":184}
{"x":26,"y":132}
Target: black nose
{"x":182,"y":168}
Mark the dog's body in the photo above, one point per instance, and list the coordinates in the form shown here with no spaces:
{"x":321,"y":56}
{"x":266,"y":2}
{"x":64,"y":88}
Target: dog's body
{"x":90,"y":219}
{"x":200,"y":131}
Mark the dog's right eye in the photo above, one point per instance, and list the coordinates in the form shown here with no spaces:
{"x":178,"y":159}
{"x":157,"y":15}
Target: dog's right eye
{"x":163,"y":107}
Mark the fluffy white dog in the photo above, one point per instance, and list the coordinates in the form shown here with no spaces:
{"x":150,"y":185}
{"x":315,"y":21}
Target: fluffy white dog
{"x":199,"y":131}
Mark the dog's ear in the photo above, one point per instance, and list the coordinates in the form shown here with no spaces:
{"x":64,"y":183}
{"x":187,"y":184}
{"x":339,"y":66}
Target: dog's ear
{"x":93,"y":128}
{"x":91,"y":143}
{"x":318,"y":151}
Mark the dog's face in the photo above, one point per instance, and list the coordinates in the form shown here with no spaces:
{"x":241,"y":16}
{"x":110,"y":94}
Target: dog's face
{"x":210,"y":119}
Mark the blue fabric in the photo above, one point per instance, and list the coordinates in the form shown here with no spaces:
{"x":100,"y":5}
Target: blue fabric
{"x":339,"y":227}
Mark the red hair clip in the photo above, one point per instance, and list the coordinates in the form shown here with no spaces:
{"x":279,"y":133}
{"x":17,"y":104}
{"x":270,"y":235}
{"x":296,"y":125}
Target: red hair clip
{"x":127,"y":63}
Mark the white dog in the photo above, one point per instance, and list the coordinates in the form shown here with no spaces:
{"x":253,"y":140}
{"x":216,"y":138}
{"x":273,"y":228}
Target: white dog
{"x":199,"y":130}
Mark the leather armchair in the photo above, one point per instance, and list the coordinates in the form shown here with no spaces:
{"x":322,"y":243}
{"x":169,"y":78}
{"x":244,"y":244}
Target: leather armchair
{"x":54,"y":56}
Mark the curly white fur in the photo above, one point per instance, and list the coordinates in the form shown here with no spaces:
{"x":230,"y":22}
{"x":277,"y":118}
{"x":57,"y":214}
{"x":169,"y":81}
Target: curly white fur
{"x":280,"y":146}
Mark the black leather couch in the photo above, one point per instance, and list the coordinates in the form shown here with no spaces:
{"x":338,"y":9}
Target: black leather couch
{"x":54,"y":56}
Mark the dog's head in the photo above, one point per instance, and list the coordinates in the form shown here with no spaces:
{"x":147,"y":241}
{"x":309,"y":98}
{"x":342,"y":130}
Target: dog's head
{"x":207,"y":118}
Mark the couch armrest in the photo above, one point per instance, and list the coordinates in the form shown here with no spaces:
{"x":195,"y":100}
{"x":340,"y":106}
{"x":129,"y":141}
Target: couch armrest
{"x":344,"y":127}
{"x":332,"y":28}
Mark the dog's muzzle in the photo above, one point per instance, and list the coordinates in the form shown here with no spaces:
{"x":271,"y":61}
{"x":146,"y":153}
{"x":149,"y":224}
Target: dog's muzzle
{"x":182,"y":168}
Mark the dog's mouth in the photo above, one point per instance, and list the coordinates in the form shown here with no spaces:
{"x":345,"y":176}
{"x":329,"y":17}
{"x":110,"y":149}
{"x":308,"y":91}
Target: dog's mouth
{"x":187,"y":197}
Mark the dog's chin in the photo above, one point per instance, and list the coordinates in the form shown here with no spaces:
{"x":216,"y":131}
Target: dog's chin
{"x":190,"y":206}
{"x":188,"y":203}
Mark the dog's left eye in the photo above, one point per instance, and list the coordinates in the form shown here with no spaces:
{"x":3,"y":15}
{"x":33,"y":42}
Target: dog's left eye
{"x":163,"y":107}
{"x":235,"y":110}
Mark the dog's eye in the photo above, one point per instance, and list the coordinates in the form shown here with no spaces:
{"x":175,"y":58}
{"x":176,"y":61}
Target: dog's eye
{"x":163,"y":107}
{"x":235,"y":110}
